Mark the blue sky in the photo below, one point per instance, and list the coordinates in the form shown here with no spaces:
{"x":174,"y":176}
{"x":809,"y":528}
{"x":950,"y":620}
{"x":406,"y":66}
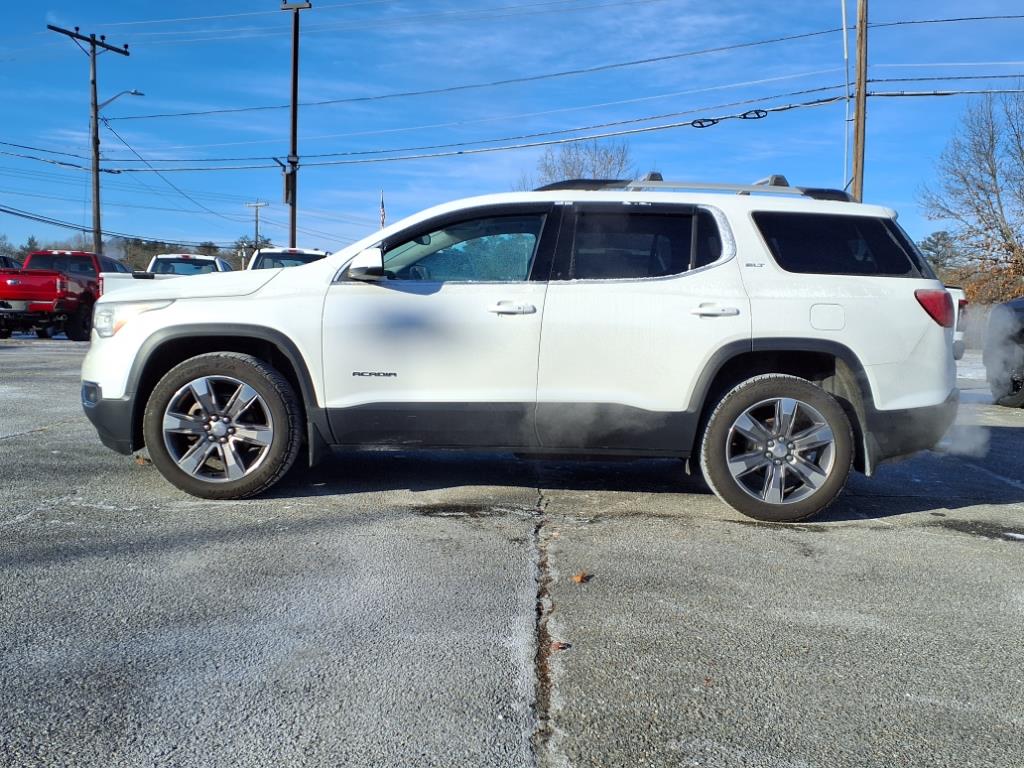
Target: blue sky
{"x":358,"y":48}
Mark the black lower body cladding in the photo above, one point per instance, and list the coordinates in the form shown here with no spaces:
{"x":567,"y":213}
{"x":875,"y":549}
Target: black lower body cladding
{"x":891,"y":434}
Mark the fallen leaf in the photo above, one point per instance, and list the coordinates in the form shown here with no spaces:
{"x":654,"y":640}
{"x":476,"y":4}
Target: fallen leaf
{"x":582,"y":577}
{"x":560,"y":645}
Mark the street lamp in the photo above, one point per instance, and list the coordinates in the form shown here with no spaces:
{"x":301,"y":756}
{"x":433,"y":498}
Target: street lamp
{"x":132,"y":92}
{"x":97,"y":236}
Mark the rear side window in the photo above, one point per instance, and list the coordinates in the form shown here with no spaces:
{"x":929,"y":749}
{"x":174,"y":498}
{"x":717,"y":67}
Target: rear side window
{"x":109,"y":265}
{"x":611,"y":245}
{"x":831,"y":244}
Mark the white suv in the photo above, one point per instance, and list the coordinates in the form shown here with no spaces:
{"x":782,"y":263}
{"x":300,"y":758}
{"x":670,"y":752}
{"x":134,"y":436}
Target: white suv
{"x":779,"y":335}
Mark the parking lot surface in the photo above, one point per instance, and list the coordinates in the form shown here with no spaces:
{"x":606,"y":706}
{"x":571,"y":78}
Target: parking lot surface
{"x":480,"y":610}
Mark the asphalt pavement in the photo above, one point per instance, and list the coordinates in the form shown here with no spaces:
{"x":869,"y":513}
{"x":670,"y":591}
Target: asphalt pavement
{"x":478,"y":610}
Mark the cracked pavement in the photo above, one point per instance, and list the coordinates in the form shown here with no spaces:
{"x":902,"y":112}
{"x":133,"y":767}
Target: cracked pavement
{"x":419,"y":609}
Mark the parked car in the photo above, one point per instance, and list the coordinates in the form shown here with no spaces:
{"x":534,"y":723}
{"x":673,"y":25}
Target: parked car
{"x":777,"y":336}
{"x":1003,"y":354}
{"x":959,"y":320}
{"x":54,"y":292}
{"x":187,"y":264}
{"x":275,"y":258}
{"x":165,"y":266}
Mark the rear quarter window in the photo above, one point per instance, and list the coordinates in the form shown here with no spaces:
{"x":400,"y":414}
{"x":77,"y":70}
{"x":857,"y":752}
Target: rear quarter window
{"x":836,"y":244}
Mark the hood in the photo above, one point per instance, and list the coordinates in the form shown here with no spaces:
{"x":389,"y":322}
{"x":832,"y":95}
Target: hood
{"x":213,"y":285}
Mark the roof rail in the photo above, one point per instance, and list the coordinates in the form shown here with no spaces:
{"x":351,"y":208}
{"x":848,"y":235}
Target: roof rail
{"x":774,"y":184}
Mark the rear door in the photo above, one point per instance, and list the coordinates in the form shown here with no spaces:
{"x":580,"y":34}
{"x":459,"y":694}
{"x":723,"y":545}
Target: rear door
{"x":443,"y":352}
{"x":642,"y":298}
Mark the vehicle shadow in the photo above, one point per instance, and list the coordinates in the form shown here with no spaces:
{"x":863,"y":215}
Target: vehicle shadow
{"x":370,"y":471}
{"x":927,"y":482}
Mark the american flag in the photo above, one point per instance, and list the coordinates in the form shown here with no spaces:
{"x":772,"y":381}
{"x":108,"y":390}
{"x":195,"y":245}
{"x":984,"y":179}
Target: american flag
{"x":383,"y":213}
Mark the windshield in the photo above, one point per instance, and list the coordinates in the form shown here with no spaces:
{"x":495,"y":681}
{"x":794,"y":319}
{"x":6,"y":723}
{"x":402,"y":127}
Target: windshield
{"x":276,"y":260}
{"x":183,"y":267}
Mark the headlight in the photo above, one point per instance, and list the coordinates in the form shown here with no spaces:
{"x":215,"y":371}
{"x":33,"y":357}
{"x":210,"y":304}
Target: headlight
{"x":109,"y":317}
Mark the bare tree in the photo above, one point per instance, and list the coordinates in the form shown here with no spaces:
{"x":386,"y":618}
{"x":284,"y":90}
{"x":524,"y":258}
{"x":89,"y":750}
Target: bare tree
{"x":581,"y":160}
{"x":981,"y":188}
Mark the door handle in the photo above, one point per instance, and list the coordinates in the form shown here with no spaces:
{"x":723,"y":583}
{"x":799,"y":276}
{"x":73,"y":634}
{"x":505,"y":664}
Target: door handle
{"x":511,"y":308}
{"x":713,"y":310}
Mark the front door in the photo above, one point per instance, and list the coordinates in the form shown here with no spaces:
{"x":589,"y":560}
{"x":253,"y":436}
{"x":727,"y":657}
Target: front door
{"x":443,"y":352}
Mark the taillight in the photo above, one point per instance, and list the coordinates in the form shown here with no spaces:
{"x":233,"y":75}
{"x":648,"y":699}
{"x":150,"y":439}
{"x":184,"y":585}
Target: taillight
{"x":62,"y":285}
{"x":99,"y":286}
{"x":961,"y":309}
{"x":938,"y":304}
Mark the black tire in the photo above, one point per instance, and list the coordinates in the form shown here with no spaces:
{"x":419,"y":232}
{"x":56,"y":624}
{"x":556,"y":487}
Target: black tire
{"x":827,"y":466}
{"x":1012,"y":396}
{"x":78,"y":326}
{"x":43,"y":333}
{"x":275,"y":414}
{"x":5,"y":333}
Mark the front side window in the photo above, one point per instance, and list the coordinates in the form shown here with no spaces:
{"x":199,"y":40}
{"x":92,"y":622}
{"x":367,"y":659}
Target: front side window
{"x":109,"y":265}
{"x":627,"y":245}
{"x":491,"y":249}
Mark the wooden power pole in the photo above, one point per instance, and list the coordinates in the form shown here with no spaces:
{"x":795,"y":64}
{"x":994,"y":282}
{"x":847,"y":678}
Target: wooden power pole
{"x":94,"y":127}
{"x":860,"y":100}
{"x":291,"y":185}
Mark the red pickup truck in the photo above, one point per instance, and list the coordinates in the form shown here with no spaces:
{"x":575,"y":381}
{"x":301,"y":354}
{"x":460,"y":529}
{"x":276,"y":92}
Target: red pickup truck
{"x":53,"y":292}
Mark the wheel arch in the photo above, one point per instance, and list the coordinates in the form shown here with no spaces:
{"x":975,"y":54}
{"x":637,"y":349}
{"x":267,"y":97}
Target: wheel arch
{"x":170,"y":346}
{"x":830,"y":364}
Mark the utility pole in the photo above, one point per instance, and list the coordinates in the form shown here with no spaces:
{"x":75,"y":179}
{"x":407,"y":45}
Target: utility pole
{"x":292,"y":172}
{"x":860,"y":100}
{"x":256,"y":209}
{"x":94,"y":124}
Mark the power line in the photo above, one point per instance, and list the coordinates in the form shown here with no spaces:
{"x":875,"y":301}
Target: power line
{"x":224,"y":34}
{"x":689,"y":92}
{"x":519,"y":137}
{"x":169,"y":183}
{"x":40,"y":218}
{"x":490,"y":84}
{"x":41,"y":149}
{"x":751,"y":114}
{"x":964,"y":92}
{"x":566,"y":73}
{"x":236,"y":15}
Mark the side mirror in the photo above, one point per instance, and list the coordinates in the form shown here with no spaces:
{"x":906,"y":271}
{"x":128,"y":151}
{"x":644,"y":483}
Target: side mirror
{"x":368,"y":265}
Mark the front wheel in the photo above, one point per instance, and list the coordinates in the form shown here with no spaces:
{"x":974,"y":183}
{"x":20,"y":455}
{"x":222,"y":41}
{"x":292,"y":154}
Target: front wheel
{"x":223,"y":426}
{"x":777,"y":448}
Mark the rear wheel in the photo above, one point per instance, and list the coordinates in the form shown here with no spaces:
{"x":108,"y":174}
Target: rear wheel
{"x":777,"y":448}
{"x":223,"y":426}
{"x":43,"y":333}
{"x":79,"y":325}
{"x":5,"y":333}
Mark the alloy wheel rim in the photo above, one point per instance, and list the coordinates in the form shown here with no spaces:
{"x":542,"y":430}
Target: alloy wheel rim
{"x":780,"y":451}
{"x":217,"y":429}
